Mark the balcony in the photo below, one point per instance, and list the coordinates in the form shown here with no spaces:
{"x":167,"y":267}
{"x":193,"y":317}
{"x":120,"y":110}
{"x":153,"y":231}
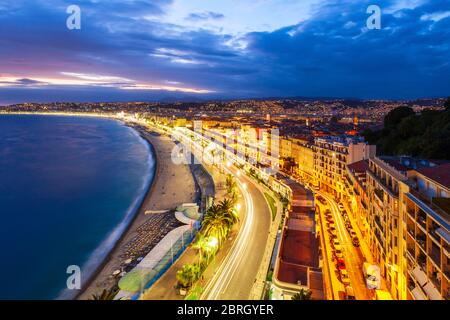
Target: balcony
{"x":411,"y":251}
{"x":379,"y":224}
{"x":380,"y":194}
{"x":432,"y":231}
{"x":436,"y":280}
{"x":379,"y":238}
{"x":440,"y":206}
{"x":435,"y":255}
{"x":422,"y":261}
{"x":422,"y":240}
{"x":422,"y":219}
{"x":410,"y":230}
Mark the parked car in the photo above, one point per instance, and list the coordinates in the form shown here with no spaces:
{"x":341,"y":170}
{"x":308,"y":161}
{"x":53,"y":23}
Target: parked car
{"x":350,"y":294}
{"x":353,"y":233}
{"x":341,"y":207}
{"x":336,"y":242}
{"x":338,"y":254}
{"x":340,"y":264}
{"x":344,"y":278}
{"x":355,"y":242}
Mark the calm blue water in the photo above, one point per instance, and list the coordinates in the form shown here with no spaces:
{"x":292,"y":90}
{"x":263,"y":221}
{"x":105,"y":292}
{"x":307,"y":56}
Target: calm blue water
{"x":68,"y":186}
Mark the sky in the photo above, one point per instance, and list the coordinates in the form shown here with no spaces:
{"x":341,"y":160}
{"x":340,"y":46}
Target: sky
{"x":152,"y":50}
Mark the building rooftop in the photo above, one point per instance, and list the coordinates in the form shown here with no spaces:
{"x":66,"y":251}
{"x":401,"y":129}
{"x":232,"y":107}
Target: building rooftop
{"x":359,"y":167}
{"x":440,"y":174}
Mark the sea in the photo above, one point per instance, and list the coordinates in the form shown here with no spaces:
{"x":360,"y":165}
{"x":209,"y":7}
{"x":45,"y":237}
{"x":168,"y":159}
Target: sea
{"x":69,"y":187}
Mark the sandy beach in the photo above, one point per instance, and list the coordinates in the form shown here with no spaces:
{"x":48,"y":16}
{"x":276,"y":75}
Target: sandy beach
{"x":172,"y":185}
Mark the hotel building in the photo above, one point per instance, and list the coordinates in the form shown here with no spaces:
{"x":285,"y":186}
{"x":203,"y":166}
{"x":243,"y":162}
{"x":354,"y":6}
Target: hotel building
{"x":332,"y":154}
{"x":426,"y":236}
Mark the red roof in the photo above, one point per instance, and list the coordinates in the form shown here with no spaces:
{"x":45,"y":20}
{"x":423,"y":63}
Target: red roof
{"x":360,"y":166}
{"x":440,"y":174}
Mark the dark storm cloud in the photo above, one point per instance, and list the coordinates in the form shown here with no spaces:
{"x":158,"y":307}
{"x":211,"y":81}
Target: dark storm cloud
{"x":330,"y":54}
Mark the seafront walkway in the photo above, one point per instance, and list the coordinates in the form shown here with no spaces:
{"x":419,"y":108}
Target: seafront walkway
{"x":165,"y":287}
{"x":154,"y":262}
{"x":163,"y":195}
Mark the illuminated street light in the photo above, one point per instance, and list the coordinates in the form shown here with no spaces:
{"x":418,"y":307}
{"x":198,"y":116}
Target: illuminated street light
{"x":213,"y":242}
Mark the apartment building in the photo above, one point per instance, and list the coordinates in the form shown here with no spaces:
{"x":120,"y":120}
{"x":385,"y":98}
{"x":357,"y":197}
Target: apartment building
{"x":426,"y":236}
{"x":357,"y":179}
{"x":409,"y":226}
{"x":384,"y":181}
{"x":304,"y":159}
{"x":332,"y":154}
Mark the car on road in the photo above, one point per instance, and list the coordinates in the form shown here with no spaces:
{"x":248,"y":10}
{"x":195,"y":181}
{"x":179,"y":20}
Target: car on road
{"x":338,"y":254}
{"x":340,"y":264}
{"x":355,"y":242}
{"x":332,"y":236}
{"x":344,"y":278}
{"x":321,"y":200}
{"x":350,"y":294}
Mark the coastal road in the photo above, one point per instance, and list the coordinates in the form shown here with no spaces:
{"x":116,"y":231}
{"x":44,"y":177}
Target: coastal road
{"x":237,"y":274}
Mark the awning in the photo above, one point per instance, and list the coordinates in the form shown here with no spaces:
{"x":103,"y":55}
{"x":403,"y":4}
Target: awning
{"x":432,"y":292}
{"x":418,"y":295}
{"x":420,"y":276}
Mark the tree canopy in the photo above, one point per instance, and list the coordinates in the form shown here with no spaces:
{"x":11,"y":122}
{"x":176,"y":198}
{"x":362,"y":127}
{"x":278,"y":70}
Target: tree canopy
{"x":425,"y":135}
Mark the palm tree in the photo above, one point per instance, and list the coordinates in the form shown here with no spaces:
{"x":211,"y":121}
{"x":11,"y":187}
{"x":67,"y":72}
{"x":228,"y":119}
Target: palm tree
{"x":231,"y":184}
{"x":219,"y":219}
{"x":187,"y":275}
{"x":228,"y":209}
{"x":303,"y":295}
{"x":215,"y":223}
{"x":106,"y":294}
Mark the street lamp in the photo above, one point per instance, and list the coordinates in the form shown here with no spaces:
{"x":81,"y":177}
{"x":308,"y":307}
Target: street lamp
{"x":213,"y":242}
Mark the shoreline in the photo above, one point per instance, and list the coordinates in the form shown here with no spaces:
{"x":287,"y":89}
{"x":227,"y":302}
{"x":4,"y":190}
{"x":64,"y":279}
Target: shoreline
{"x":154,"y":198}
{"x":146,"y":193}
